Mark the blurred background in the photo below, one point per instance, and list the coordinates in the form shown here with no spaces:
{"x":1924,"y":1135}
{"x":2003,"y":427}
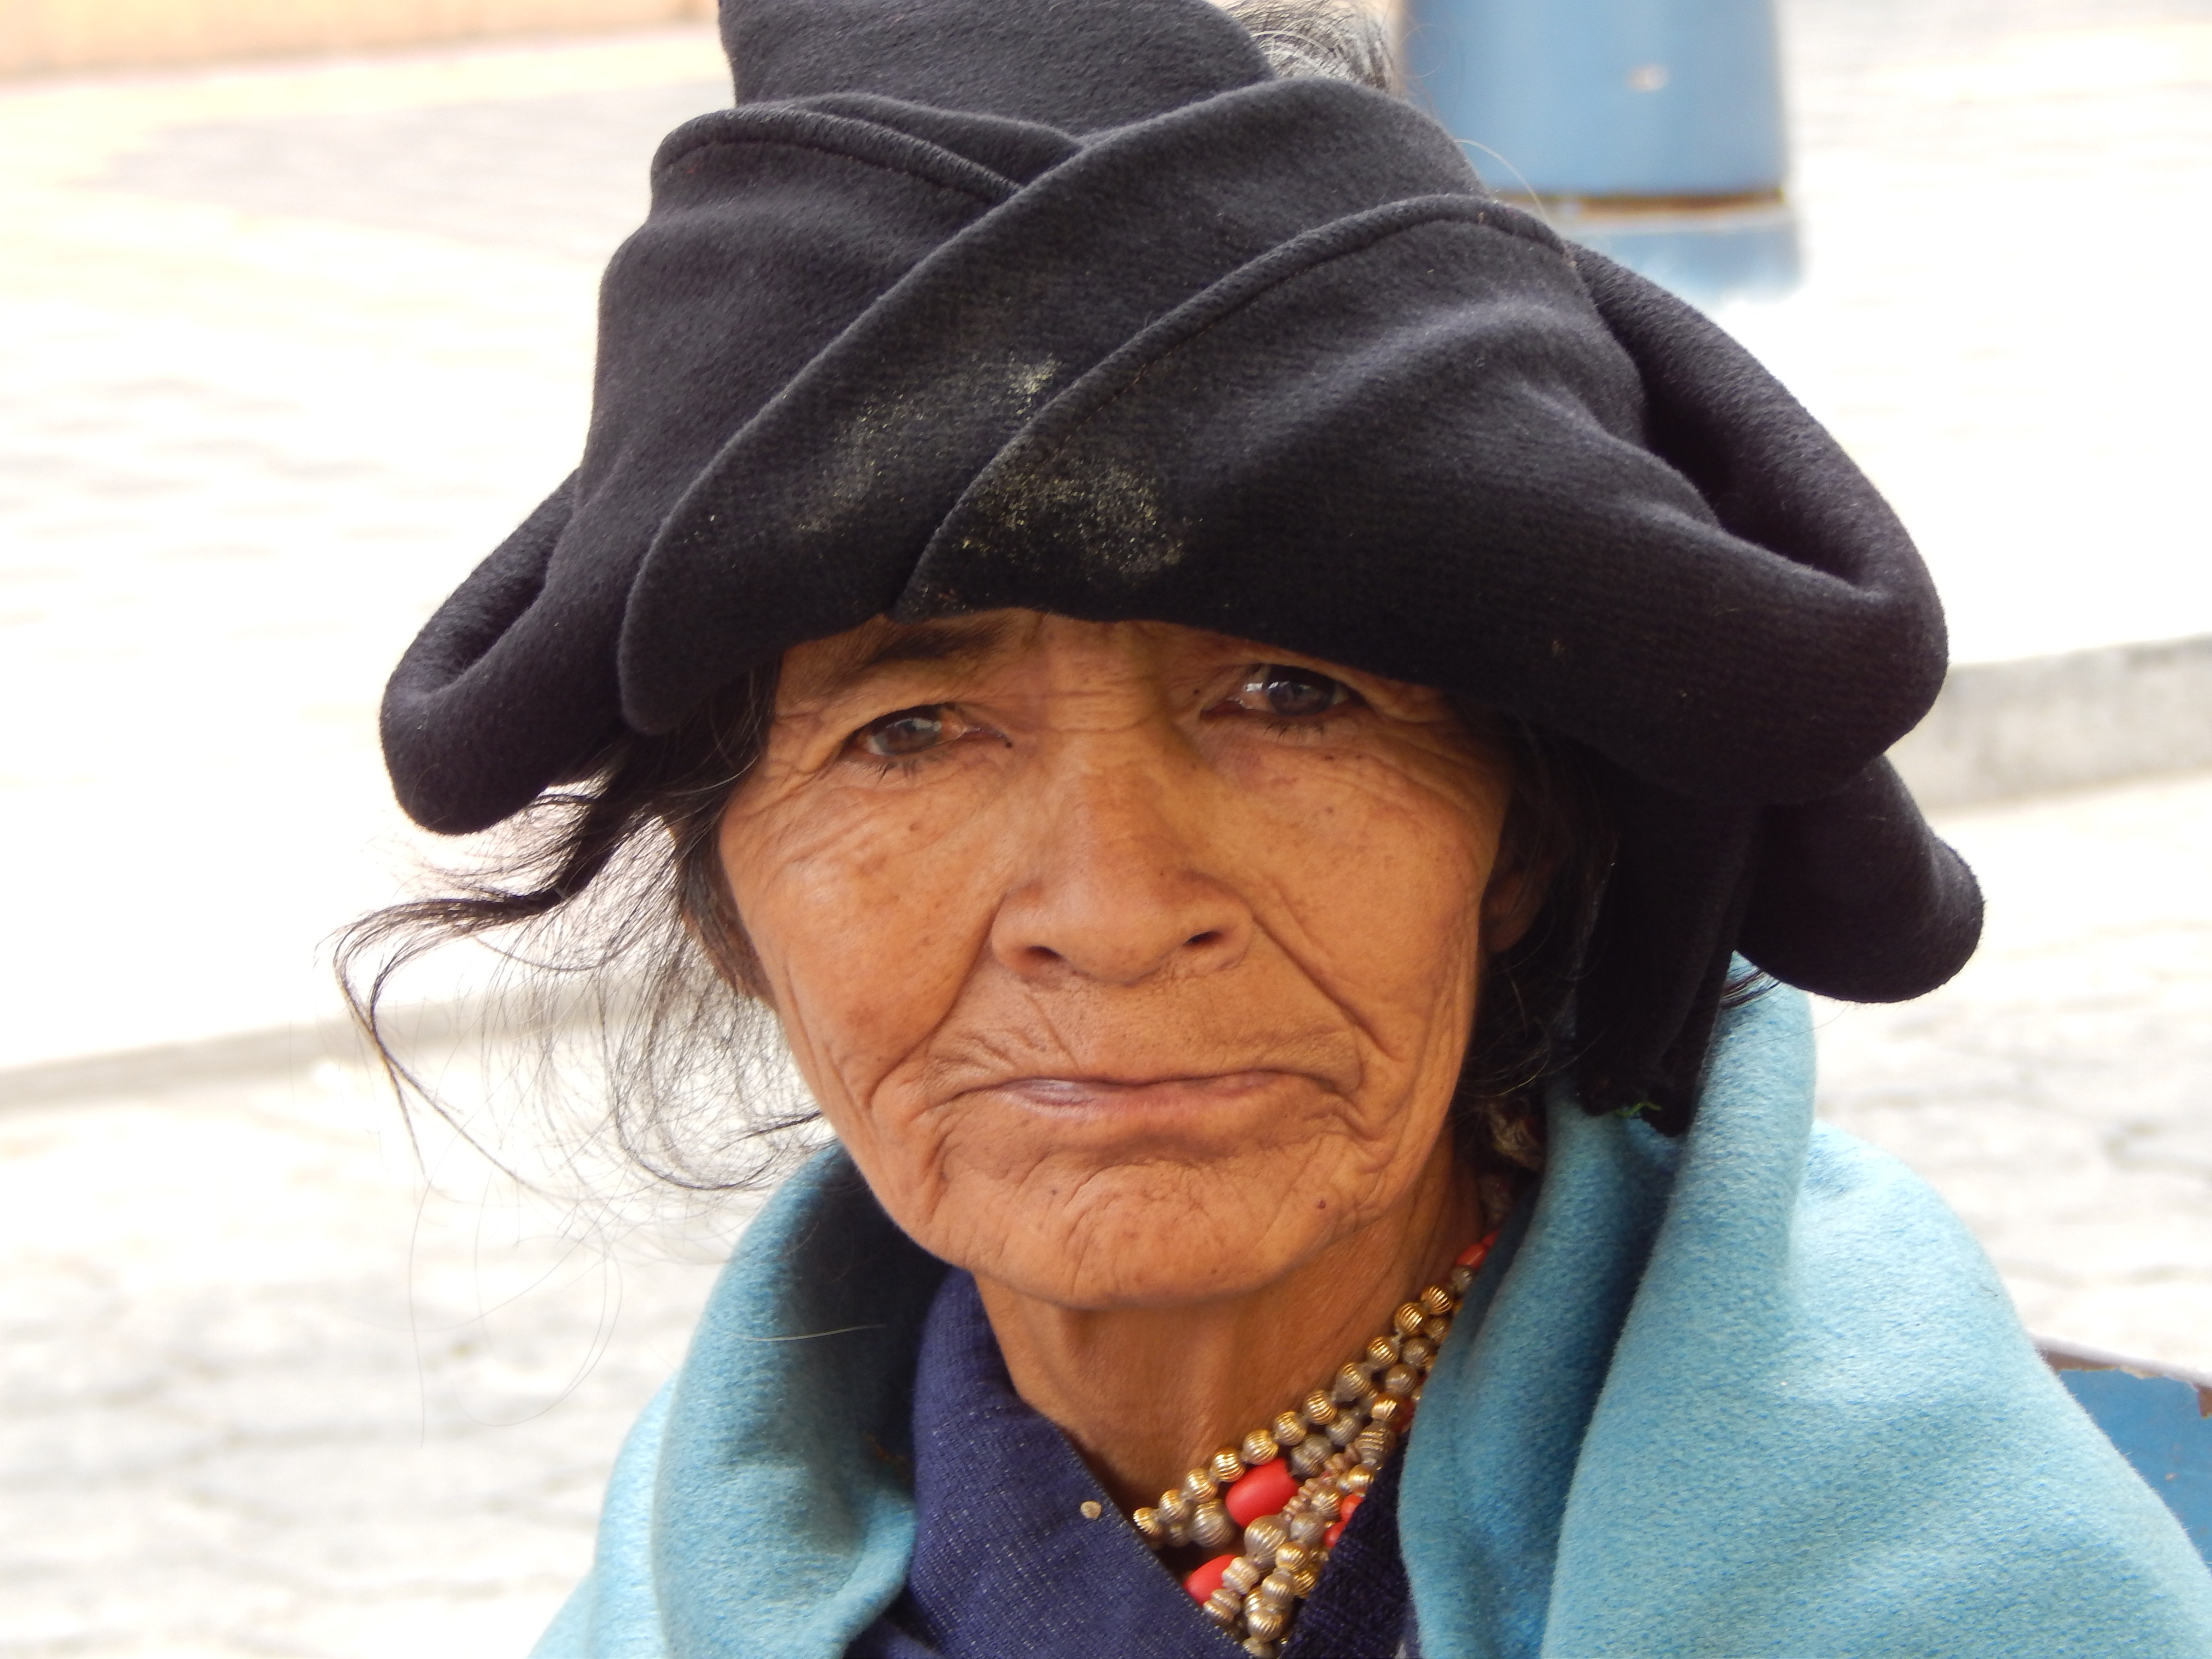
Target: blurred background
{"x":295,"y":323}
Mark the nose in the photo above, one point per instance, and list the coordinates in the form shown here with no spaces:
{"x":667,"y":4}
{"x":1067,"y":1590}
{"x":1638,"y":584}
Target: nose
{"x":1118,"y":886}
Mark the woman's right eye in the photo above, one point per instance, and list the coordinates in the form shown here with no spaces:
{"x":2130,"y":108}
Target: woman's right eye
{"x":908,"y":732}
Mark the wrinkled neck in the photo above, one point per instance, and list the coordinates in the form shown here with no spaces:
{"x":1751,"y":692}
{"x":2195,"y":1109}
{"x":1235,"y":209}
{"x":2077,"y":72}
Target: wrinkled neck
{"x":1146,"y":1393}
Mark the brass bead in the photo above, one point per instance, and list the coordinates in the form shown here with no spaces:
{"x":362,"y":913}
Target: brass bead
{"x":1295,"y":1557}
{"x":1373,"y":1446}
{"x":1242,"y":1576}
{"x":1260,"y":1648}
{"x":1326,"y":1504}
{"x":1147,"y":1522}
{"x":1224,"y":1606}
{"x":1280,"y":1588}
{"x":1356,"y":1482}
{"x":1382,"y":1353}
{"x":1308,"y":1456}
{"x":1318,"y":1409}
{"x":1399,"y":1380}
{"x":1263,"y":1538}
{"x":1289,"y":1428}
{"x":1407,"y":1319}
{"x":1259,"y":1448}
{"x":1388,"y":1411}
{"x":1341,"y":1432}
{"x":1228,"y":1464}
{"x":1462,"y":1279}
{"x":1212,"y":1526}
{"x":1306,"y":1529}
{"x":1419,"y":1353}
{"x":1264,"y":1621}
{"x":1352,"y":1383}
{"x":1197,"y":1486}
{"x":1436,"y":1329}
{"x":1303,"y":1583}
{"x":1437,"y":1303}
{"x":1173,"y":1509}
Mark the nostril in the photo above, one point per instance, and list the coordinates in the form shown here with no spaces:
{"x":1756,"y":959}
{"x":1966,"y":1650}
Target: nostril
{"x":1114,"y":938}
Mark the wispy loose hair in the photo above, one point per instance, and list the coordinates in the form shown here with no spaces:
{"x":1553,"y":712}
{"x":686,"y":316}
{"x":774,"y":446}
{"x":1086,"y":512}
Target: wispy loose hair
{"x":626,"y":977}
{"x":627,"y":987}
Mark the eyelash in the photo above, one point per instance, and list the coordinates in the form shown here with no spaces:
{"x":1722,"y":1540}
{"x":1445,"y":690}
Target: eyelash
{"x":1306,"y":725}
{"x":886,"y":766}
{"x":907,"y":765}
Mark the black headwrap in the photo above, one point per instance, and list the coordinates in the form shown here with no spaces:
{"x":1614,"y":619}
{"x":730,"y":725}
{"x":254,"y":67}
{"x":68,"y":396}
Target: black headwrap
{"x":1072,"y":305}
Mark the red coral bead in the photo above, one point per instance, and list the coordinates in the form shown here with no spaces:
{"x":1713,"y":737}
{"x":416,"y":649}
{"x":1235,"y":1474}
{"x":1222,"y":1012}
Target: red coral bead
{"x":1261,"y":1492}
{"x":1207,"y":1579}
{"x":1474,"y":1255}
{"x":1343,"y":1520}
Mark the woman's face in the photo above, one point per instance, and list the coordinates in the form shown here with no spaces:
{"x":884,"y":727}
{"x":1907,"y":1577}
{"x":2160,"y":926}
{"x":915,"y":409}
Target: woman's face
{"x":1132,"y":965}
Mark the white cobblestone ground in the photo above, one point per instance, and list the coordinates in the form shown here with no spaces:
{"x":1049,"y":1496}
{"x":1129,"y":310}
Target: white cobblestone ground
{"x":283,"y":352}
{"x":2059,"y":1092}
{"x":243,"y":449}
{"x":2001,"y":202}
{"x":259,"y":1396}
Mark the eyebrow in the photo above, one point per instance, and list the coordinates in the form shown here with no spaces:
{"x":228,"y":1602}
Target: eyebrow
{"x":953,"y":639}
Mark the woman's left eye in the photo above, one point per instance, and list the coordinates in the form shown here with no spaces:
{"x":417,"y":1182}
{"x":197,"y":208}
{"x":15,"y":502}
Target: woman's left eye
{"x":1285,"y":693}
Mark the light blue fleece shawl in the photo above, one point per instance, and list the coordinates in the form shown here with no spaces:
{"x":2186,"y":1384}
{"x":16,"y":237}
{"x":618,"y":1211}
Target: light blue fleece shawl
{"x":1753,"y":1394}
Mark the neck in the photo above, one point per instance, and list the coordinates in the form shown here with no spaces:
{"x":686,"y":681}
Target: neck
{"x":1146,"y":1393}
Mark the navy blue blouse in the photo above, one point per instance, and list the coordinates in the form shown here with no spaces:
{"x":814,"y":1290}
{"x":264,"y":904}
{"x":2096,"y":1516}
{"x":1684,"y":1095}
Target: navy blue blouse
{"x":1007,"y":1566}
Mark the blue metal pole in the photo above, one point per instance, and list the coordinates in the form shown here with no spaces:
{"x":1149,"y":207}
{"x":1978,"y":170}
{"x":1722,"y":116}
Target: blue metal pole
{"x":1651,"y":130}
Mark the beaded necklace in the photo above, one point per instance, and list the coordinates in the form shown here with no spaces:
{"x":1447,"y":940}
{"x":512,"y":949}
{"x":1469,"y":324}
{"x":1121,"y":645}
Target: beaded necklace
{"x":1292,"y":1485}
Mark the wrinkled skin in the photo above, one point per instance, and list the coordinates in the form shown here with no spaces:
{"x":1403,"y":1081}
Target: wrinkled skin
{"x":1134,"y":966}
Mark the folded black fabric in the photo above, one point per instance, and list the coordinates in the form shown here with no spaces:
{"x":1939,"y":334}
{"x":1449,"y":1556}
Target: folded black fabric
{"x":1076,"y":306}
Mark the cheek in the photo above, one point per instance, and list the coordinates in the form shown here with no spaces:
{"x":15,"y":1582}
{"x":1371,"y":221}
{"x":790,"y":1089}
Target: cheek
{"x":865,"y":915}
{"x":1376,"y":871}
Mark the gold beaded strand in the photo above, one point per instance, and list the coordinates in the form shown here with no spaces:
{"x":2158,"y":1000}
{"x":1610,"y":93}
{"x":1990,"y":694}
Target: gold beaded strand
{"x":1333,"y":1443}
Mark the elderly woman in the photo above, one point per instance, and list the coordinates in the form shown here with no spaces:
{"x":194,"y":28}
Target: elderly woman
{"x":1238,"y":700}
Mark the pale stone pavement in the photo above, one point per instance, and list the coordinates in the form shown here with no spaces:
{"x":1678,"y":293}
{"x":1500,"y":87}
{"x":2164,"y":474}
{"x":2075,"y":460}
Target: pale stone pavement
{"x":258,"y":1395}
{"x":2059,"y":1092}
{"x":283,"y":351}
{"x":245,"y":448}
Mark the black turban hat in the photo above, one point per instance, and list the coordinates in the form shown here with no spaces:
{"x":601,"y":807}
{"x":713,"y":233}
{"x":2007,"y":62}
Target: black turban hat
{"x":1074,"y":305}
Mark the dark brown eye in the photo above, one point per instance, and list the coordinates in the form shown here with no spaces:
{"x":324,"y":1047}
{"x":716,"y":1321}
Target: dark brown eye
{"x":1289,"y":693}
{"x":909,"y":732}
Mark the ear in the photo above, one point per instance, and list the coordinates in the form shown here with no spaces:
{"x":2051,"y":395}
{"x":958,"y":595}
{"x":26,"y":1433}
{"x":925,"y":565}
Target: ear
{"x":1514,"y":897}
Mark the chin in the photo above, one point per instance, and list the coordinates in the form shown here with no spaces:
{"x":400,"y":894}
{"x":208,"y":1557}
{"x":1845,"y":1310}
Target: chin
{"x":1143,"y":1236}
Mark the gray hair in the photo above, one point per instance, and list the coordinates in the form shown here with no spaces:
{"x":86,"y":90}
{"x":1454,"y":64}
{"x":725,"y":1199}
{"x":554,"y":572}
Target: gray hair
{"x":1340,"y":40}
